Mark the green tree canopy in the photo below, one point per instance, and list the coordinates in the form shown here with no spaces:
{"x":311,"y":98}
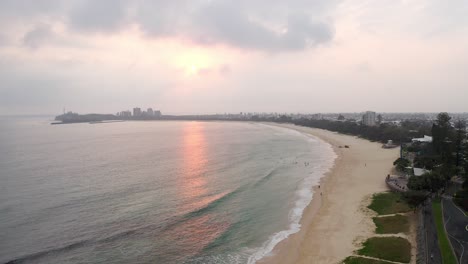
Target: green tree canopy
{"x":414,"y":198}
{"x":432,"y":182}
{"x":401,"y":164}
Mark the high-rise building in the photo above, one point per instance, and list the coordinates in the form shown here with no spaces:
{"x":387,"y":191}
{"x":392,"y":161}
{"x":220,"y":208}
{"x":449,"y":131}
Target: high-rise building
{"x":150,"y":112}
{"x":136,"y":111}
{"x":368,"y":119}
{"x":125,"y":114}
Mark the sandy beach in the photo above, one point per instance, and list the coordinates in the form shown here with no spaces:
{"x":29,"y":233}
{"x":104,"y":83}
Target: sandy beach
{"x":336,"y":222}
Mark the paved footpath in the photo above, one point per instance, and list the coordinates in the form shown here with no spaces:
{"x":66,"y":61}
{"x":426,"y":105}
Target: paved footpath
{"x":456,"y":224}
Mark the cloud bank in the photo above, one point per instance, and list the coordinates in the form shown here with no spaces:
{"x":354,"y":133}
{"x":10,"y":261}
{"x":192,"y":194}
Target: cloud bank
{"x":207,"y":56}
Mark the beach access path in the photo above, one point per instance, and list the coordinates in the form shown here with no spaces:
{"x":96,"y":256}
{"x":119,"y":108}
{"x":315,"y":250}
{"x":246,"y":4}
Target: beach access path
{"x":336,"y":223}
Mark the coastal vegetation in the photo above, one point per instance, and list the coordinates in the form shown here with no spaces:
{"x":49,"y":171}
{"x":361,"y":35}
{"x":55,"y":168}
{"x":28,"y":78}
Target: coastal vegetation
{"x":448,"y":256}
{"x":387,"y":248}
{"x":414,"y":198}
{"x":381,"y":133}
{"x":446,"y":156}
{"x":401,"y":164}
{"x":461,"y":199}
{"x":388,"y":203}
{"x":393,"y":224}
{"x":431,"y":181}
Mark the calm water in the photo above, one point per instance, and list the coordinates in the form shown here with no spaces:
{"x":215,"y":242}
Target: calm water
{"x":151,"y":192}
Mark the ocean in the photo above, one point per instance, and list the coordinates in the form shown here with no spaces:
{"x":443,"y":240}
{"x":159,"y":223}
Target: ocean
{"x":152,"y":191}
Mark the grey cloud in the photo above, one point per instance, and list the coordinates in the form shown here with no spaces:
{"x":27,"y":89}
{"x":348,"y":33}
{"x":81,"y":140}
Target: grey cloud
{"x":41,"y":34}
{"x":162,"y":18}
{"x":222,"y":22}
{"x":29,"y":8}
{"x":3,"y":40}
{"x":102,"y":15}
{"x":301,"y":32}
{"x":234,"y":23}
{"x":243,"y":24}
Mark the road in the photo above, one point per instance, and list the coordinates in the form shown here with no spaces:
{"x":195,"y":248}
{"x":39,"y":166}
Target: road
{"x":456,"y":224}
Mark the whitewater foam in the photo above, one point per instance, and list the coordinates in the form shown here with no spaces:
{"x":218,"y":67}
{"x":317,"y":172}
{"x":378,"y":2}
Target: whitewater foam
{"x":304,"y":197}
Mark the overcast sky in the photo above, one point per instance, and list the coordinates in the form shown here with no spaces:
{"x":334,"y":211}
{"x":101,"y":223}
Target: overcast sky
{"x":202,"y":56}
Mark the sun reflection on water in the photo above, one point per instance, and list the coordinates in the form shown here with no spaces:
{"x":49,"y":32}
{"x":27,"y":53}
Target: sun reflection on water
{"x":201,"y":228}
{"x":192,"y":181}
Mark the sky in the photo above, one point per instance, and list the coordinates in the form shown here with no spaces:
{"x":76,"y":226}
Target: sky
{"x":218,"y":56}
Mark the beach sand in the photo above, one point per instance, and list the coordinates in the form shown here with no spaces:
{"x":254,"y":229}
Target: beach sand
{"x":337,"y":222}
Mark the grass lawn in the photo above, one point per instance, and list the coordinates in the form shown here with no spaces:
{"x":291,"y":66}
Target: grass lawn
{"x":359,"y":260}
{"x":387,"y":248}
{"x":444,"y":244}
{"x":391,"y":224}
{"x":388,"y":203}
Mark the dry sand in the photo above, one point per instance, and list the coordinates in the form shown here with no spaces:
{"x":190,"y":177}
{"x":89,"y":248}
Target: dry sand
{"x":334,"y":224}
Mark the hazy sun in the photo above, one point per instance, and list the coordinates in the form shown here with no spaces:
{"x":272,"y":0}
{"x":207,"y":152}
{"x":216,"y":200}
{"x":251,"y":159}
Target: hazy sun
{"x":191,"y":61}
{"x":193,"y":69}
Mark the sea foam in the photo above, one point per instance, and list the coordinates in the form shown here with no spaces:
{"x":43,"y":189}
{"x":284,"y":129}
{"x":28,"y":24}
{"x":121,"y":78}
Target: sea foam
{"x":325,"y":160}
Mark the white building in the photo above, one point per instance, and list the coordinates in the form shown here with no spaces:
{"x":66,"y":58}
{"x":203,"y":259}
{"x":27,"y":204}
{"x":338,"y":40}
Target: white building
{"x":368,"y":119}
{"x":425,"y":139}
{"x":419,"y":171}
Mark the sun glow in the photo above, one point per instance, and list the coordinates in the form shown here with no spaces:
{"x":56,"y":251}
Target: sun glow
{"x":192,"y":61}
{"x":193,"y":69}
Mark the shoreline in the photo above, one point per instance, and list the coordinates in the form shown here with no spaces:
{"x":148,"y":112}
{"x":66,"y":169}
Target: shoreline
{"x":334,"y":224}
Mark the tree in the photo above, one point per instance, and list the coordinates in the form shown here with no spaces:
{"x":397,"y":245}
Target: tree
{"x":401,"y":164}
{"x":414,"y":198}
{"x":465,"y":164}
{"x":428,"y":162}
{"x":436,"y":181}
{"x":460,"y":136}
{"x":417,"y":183}
{"x":432,"y":182}
{"x":379,"y":118}
{"x":442,"y":136}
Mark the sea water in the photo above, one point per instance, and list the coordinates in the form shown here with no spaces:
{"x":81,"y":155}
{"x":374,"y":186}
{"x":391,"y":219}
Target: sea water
{"x":152,"y":192}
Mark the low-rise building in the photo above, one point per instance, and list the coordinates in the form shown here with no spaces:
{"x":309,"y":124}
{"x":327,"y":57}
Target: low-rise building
{"x":425,"y":139}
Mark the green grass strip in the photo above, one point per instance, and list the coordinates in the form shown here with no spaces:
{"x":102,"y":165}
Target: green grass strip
{"x":388,"y":203}
{"x":391,"y":224}
{"x":444,"y":244}
{"x":387,"y":248}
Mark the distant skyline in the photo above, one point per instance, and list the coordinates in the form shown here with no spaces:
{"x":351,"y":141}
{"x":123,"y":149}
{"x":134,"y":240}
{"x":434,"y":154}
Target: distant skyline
{"x":204,"y":57}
